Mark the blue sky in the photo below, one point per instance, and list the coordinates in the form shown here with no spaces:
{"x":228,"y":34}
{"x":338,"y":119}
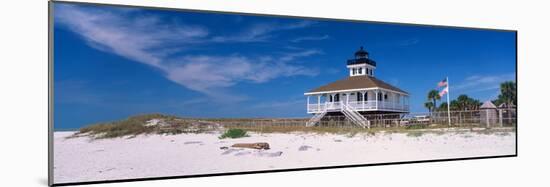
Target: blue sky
{"x":112,"y":62}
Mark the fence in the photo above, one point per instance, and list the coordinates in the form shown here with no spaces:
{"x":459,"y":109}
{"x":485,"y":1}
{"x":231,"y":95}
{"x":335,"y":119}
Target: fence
{"x":472,"y":118}
{"x":482,"y":118}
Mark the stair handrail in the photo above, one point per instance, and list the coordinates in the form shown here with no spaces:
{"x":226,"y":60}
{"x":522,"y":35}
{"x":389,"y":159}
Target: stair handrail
{"x":355,"y":116}
{"x":317,"y":117}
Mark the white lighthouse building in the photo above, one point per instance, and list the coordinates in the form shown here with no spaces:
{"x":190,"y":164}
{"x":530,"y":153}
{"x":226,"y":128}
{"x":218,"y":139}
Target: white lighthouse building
{"x":357,"y":95}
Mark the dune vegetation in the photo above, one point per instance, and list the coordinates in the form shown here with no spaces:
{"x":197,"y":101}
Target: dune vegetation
{"x":143,"y":124}
{"x":228,"y":128}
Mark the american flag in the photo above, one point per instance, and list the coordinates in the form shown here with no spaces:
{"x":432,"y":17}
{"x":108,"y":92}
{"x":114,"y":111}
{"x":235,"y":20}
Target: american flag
{"x":444,"y":91}
{"x":442,"y":83}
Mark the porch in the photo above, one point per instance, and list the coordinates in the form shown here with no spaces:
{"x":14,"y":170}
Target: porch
{"x":358,"y":101}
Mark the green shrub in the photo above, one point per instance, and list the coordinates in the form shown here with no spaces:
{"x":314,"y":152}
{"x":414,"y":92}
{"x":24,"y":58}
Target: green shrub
{"x":234,"y":133}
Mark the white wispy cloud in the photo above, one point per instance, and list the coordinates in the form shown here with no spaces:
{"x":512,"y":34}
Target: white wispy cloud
{"x":149,"y":40}
{"x":478,"y":83}
{"x":141,"y":39}
{"x":206,"y":74}
{"x":309,"y":38}
{"x":261,"y":32}
{"x":287,"y":57}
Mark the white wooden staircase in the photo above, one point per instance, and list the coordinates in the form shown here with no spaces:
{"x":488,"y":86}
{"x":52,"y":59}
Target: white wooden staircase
{"x":355,"y":116}
{"x":350,"y":113}
{"x":316,"y":118}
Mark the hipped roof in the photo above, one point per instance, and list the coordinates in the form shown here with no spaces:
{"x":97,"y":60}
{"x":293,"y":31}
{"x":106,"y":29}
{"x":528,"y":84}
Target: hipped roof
{"x":488,"y":104}
{"x":356,"y":82}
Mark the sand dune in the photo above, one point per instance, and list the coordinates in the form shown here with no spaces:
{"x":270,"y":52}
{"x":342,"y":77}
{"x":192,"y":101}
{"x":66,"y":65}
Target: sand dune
{"x":83,"y":159}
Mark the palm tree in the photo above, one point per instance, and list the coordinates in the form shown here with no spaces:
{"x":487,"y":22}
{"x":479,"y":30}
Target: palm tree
{"x":429,"y":105}
{"x":442,"y":106}
{"x":474,"y":104}
{"x":508,"y":93}
{"x":455,"y":105}
{"x":433,"y":95}
{"x":463,"y":102}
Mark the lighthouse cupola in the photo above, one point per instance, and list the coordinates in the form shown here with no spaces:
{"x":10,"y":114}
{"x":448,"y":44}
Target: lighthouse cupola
{"x":361,"y":65}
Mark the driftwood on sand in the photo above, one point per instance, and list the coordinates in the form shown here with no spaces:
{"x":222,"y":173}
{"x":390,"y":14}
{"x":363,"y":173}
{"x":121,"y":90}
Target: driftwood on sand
{"x":260,"y":145}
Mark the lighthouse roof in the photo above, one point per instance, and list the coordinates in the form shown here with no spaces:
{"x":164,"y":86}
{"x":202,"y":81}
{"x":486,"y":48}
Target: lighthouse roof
{"x":361,"y":52}
{"x":356,"y":82}
{"x":361,"y":57}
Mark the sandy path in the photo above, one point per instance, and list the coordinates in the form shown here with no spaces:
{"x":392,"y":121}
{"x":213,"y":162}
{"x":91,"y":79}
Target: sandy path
{"x":80,"y":159}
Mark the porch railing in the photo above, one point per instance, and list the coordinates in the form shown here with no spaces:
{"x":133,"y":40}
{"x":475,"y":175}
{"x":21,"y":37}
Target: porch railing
{"x":358,"y":105}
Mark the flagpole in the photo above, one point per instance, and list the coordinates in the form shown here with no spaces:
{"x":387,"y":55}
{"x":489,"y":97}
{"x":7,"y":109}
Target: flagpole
{"x":448,"y":102}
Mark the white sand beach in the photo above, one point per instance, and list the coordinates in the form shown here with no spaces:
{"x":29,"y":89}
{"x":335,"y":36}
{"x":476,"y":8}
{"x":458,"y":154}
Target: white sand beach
{"x":83,"y":159}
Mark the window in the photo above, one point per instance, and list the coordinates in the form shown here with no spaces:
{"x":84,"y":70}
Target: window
{"x":360,"y":71}
{"x":359,"y":96}
{"x":366,"y":96}
{"x":353,"y":71}
{"x":336,"y":97}
{"x":385,"y":96}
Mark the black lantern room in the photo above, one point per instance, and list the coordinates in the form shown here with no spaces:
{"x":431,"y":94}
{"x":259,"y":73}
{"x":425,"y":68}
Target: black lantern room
{"x":361,"y":57}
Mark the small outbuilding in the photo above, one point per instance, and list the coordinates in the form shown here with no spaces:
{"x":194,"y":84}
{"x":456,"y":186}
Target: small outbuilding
{"x":488,"y":113}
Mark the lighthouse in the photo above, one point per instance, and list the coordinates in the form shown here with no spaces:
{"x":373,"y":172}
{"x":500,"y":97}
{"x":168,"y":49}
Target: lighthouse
{"x":357,"y":95}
